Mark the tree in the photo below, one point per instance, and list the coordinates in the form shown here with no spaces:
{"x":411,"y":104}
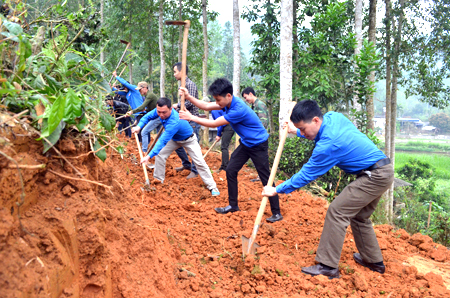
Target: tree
{"x":358,"y":36}
{"x":205,"y":65}
{"x":441,"y":121}
{"x":287,"y":19}
{"x":236,"y":49}
{"x":372,"y":39}
{"x":161,"y":50}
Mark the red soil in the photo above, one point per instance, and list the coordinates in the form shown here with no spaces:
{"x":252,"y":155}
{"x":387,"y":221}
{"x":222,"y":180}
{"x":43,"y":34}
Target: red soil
{"x":78,"y":239}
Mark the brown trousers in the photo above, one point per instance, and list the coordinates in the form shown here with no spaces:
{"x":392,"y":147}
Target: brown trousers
{"x":353,"y":207}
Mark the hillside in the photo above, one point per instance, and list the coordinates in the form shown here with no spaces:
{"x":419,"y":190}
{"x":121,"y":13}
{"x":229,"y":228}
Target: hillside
{"x":80,"y":239}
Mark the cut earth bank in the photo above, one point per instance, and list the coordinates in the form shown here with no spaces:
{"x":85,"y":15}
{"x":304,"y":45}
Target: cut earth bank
{"x":79,"y":239}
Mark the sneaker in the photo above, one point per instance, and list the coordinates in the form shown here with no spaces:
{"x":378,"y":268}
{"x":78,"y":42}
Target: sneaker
{"x":192,"y":175}
{"x":151,"y":166}
{"x":179,"y":169}
{"x":215,"y":192}
{"x":255,"y":180}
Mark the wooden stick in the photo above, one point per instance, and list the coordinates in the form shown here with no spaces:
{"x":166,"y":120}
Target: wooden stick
{"x":147,"y":181}
{"x":14,"y":117}
{"x":215,"y":142}
{"x":183,"y":62}
{"x":79,"y":179}
{"x":154,"y":141}
{"x":29,"y":167}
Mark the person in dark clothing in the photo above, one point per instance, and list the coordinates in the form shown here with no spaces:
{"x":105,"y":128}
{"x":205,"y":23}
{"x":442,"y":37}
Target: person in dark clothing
{"x":119,"y":109}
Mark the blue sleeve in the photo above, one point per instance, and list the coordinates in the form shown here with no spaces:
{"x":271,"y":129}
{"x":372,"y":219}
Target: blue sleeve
{"x":149,"y":116}
{"x":320,"y":162}
{"x":126,"y":84}
{"x":170,"y":130}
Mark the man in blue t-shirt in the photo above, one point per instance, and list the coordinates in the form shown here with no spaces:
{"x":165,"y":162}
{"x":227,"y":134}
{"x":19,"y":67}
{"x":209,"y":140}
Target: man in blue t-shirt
{"x":254,"y":143}
{"x":340,"y":143}
{"x":177,"y":133}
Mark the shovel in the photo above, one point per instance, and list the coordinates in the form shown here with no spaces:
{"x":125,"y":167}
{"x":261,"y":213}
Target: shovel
{"x":147,"y":181}
{"x":249,"y":245}
{"x":121,"y":58}
{"x":215,"y":142}
{"x":186,"y":25}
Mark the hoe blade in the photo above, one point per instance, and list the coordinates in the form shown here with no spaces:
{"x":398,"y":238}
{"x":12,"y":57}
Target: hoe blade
{"x":248,"y":247}
{"x":175,"y":23}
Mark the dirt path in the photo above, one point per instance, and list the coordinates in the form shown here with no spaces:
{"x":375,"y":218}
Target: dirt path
{"x":81,"y":240}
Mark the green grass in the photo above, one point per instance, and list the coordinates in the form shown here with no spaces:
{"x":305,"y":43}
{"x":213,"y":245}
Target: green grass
{"x":441,"y":163}
{"x":422,"y":145}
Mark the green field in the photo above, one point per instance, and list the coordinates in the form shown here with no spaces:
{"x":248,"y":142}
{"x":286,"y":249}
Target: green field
{"x":441,"y":163}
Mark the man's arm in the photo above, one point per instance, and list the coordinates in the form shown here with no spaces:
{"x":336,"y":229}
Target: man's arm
{"x":185,"y":115}
{"x":206,"y":106}
{"x":142,"y":106}
{"x":126,"y":84}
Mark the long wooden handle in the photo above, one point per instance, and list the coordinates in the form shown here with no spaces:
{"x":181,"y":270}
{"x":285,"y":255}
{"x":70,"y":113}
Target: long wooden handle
{"x":120,"y":61}
{"x":183,"y":62}
{"x":154,"y":141}
{"x":140,"y":154}
{"x":272,"y":173}
{"x":215,"y":142}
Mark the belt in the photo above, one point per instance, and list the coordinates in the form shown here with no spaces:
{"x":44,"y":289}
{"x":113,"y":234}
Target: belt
{"x":187,"y":137}
{"x":379,"y":164}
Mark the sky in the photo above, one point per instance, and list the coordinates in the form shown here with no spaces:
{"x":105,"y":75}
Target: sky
{"x":225,"y":9}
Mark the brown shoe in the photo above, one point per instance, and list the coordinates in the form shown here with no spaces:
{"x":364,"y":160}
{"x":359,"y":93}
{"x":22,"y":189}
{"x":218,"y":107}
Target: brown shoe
{"x":319,"y":269}
{"x":372,"y":266}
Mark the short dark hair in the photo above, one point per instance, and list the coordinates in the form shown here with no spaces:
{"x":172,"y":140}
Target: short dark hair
{"x":305,"y":111}
{"x":178,"y":65}
{"x":220,"y":87}
{"x":249,"y":90}
{"x":164,"y":101}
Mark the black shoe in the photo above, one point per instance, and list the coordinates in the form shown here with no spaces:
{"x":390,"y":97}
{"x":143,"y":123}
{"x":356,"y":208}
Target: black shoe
{"x":275,"y":217}
{"x":380,"y":268}
{"x":319,"y":269}
{"x":179,"y":169}
{"x":225,"y":210}
{"x":255,"y":180}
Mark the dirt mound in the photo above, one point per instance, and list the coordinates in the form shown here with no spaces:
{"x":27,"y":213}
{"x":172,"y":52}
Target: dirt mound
{"x":80,"y":239}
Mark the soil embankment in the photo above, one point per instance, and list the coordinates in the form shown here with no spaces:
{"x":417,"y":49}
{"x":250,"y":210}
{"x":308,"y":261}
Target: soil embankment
{"x":79,"y":239}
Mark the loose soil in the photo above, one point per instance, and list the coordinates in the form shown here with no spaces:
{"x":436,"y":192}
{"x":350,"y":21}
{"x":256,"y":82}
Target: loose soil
{"x":78,"y":239}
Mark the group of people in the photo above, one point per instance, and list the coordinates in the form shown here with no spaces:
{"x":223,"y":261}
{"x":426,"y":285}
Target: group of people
{"x":338,"y":143}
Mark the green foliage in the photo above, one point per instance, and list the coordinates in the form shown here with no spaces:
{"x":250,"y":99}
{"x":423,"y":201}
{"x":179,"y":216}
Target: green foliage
{"x":415,"y":169}
{"x":62,"y":79}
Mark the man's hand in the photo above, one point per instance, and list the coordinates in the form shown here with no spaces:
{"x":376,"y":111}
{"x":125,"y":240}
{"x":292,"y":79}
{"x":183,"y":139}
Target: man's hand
{"x":292,"y":128}
{"x":135,"y":129}
{"x":114,"y":73}
{"x":145,"y":160}
{"x":117,"y":124}
{"x":269,"y":191}
{"x":184,"y":91}
{"x":129,"y":113}
{"x":217,"y":138}
{"x":175,"y":106}
{"x":186,"y":115}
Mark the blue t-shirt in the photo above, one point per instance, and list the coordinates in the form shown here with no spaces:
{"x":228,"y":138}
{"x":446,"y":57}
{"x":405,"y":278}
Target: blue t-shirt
{"x":174,"y":129}
{"x":216,"y":114}
{"x":134,"y":97}
{"x":245,"y":123}
{"x":338,"y":143}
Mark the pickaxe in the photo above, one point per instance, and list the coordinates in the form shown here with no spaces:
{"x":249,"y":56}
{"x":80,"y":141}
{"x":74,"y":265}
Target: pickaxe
{"x":186,"y":25}
{"x":121,"y":58}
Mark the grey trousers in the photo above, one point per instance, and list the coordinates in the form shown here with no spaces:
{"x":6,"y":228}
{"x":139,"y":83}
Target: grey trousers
{"x":353,"y":207}
{"x":195,"y":152}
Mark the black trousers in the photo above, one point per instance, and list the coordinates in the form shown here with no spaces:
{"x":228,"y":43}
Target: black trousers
{"x":260,"y":157}
{"x":227,"y":134}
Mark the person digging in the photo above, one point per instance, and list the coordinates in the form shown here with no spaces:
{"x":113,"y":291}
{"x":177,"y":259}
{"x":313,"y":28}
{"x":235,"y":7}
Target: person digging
{"x":253,"y":143}
{"x":340,"y":143}
{"x":178,"y":133}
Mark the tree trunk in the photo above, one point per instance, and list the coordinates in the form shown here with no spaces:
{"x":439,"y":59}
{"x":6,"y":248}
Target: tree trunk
{"x":236,"y":54}
{"x":358,"y":33}
{"x":162,"y":80}
{"x":372,"y":38}
{"x":205,"y":66}
{"x":150,"y":73}
{"x":102,"y":57}
{"x":387,"y":141}
{"x":295,"y":40}
{"x":180,"y":34}
{"x":286,"y":24}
